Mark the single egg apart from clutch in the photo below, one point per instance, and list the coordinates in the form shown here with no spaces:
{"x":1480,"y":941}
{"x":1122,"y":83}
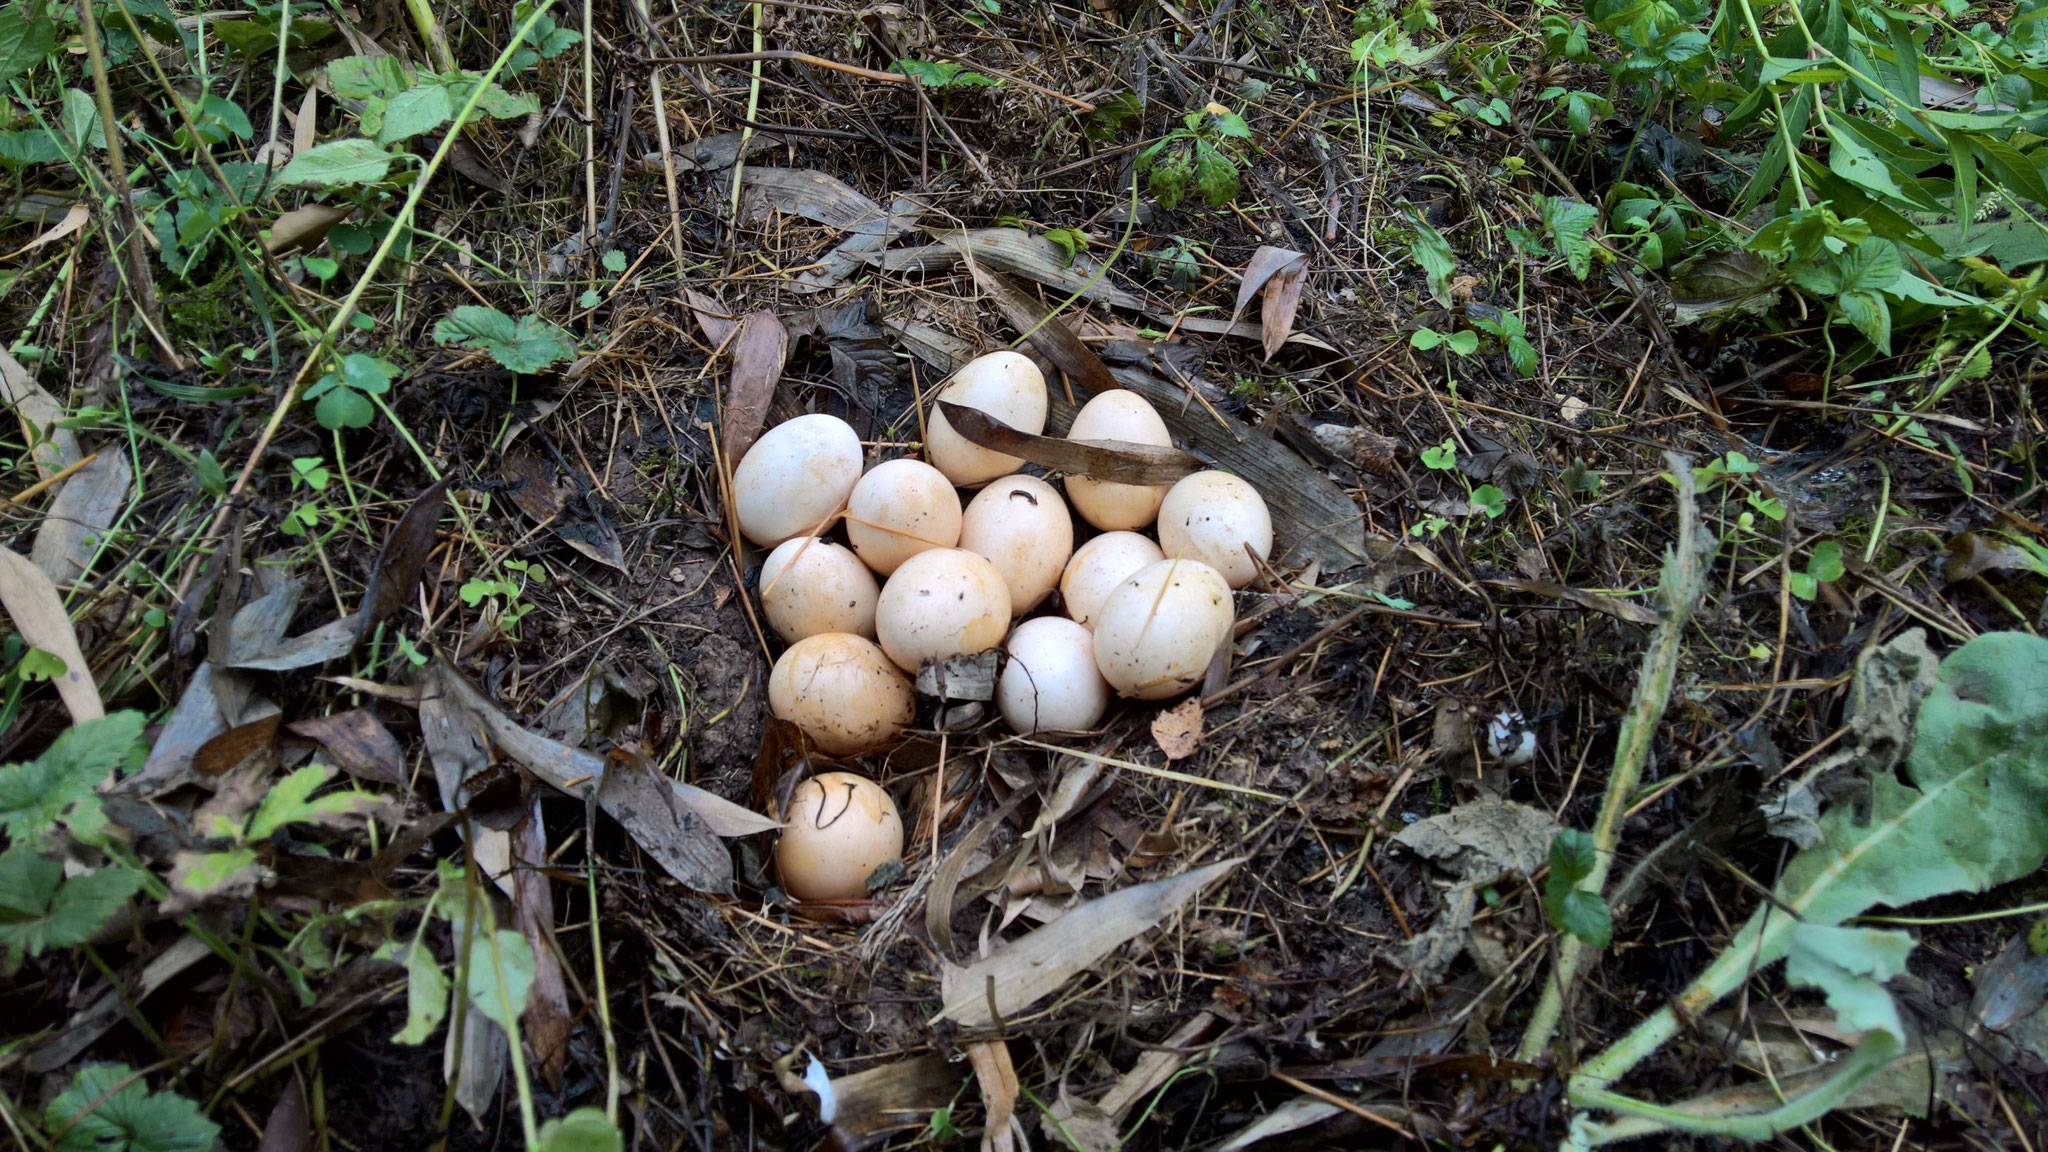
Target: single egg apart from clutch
{"x":1023,"y":527}
{"x":1005,"y":385}
{"x":795,"y":477}
{"x":839,"y":828}
{"x":1211,"y":517}
{"x":1160,"y":628}
{"x":1051,"y":681}
{"x":1117,"y":415}
{"x":1098,"y":567}
{"x":901,"y":508}
{"x":945,"y":602}
{"x":843,"y":692}
{"x":811,"y":586}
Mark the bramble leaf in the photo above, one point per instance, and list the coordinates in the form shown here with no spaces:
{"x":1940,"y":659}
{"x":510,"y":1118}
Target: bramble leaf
{"x":109,"y":1109}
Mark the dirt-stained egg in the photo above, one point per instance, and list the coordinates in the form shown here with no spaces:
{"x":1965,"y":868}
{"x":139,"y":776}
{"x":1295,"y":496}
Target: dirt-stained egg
{"x":1098,"y":567}
{"x":1117,"y":415}
{"x":1211,"y":516}
{"x":1023,"y":527}
{"x":811,"y":586}
{"x":842,"y":691}
{"x":1160,"y":628}
{"x":839,"y":827}
{"x":1051,"y":681}
{"x":901,"y":508}
{"x":794,"y":477}
{"x":1007,"y":386}
{"x":940,"y":603}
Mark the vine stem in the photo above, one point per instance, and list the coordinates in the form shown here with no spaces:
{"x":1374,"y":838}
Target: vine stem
{"x":1680,"y":585}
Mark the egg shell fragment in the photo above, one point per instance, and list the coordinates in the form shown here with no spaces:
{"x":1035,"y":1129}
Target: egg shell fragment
{"x":1117,"y":415}
{"x":794,"y":477}
{"x":1023,"y":527}
{"x":901,"y":508}
{"x":1007,"y":386}
{"x":1211,"y":516}
{"x":1098,"y":567}
{"x":811,"y":586}
{"x":843,"y":692}
{"x":1161,"y":627}
{"x":1051,"y":681}
{"x":839,"y":828}
{"x":940,"y":603}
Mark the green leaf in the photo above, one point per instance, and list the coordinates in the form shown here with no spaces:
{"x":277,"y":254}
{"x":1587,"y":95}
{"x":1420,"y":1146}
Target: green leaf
{"x":1870,"y":266}
{"x":27,"y":37}
{"x":1425,"y":339}
{"x":79,"y":119}
{"x":526,"y":345}
{"x":342,"y":408}
{"x":28,"y":146}
{"x":416,"y":110}
{"x":1802,"y":585}
{"x":504,"y":1000}
{"x":337,"y":162}
{"x":37,"y":664}
{"x":1573,"y":856}
{"x":1232,"y":125}
{"x":614,"y":261}
{"x":40,"y":909}
{"x":57,"y":787}
{"x":108,"y":1108}
{"x":320,"y":267}
{"x":1586,"y":915}
{"x":584,"y":1130}
{"x":256,"y":38}
{"x":1215,"y":176}
{"x":1850,"y":966}
{"x":1430,"y":250}
{"x":943,"y":74}
{"x":1464,"y":342}
{"x":1522,"y":354}
{"x":426,"y":995}
{"x":1825,"y":564}
{"x":1570,"y":223}
{"x":367,"y":374}
{"x":1490,"y":500}
{"x":204,"y":873}
{"x":1441,"y":458}
{"x":589,"y":299}
{"x":365,"y":77}
{"x":1869,"y":314}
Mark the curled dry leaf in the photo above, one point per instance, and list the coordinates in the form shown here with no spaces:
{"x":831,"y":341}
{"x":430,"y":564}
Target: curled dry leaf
{"x":74,"y":219}
{"x":82,"y":510}
{"x":1178,"y":730}
{"x":1280,"y":273}
{"x":712,"y":317}
{"x":404,"y":556}
{"x":1118,"y":460}
{"x":38,"y":614}
{"x":358,"y":742}
{"x":757,"y":359}
{"x":1053,"y":339}
{"x":997,"y":1076}
{"x":304,"y":227}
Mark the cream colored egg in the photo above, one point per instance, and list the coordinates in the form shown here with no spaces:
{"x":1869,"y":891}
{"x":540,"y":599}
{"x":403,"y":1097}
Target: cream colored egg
{"x":838,"y":829}
{"x":795,"y":477}
{"x":1051,"y":681}
{"x":940,"y":603}
{"x":1161,"y":627}
{"x":1211,"y":516}
{"x":1005,"y":385}
{"x":842,"y":691}
{"x":1098,"y":567}
{"x":810,"y":586}
{"x":1023,"y":527}
{"x":901,"y":508}
{"x":1117,"y":415}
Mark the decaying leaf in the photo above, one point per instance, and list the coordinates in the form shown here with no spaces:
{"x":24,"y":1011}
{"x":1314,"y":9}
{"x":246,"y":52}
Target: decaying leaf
{"x":1118,"y":460}
{"x":330,"y":641}
{"x":1178,"y":730}
{"x":1298,"y":1113}
{"x":810,"y":194}
{"x":1721,"y":286}
{"x":82,"y":510}
{"x":360,"y":743}
{"x":546,"y":1024}
{"x":1052,"y":338}
{"x":37,"y":612}
{"x":1618,"y":608}
{"x":712,"y":317}
{"x":998,"y":1079}
{"x":195,"y":720}
{"x":54,"y":448}
{"x":1975,"y":553}
{"x":235,"y":747}
{"x":757,"y":359}
{"x":631,"y":793}
{"x":1476,"y":844}
{"x":396,"y":577}
{"x":304,"y":227}
{"x":869,"y":1105}
{"x":1016,"y":251}
{"x":841,"y":263}
{"x":1078,"y":1124}
{"x":1025,"y":971}
{"x":1280,"y":273}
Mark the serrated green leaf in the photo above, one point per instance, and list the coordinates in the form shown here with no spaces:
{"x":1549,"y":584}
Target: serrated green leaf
{"x":57,"y":787}
{"x":41,"y":909}
{"x":589,"y":299}
{"x":335,"y":163}
{"x":1433,"y":253}
{"x":1571,"y":223}
{"x":584,"y":1130}
{"x":498,"y":985}
{"x":37,"y":664}
{"x":528,"y":344}
{"x":614,"y":261}
{"x":108,"y":1108}
{"x":1216,"y":177}
{"x":1870,"y":266}
{"x":1522,"y":354}
{"x":1232,"y":125}
{"x":415,"y":111}
{"x":1573,"y":856}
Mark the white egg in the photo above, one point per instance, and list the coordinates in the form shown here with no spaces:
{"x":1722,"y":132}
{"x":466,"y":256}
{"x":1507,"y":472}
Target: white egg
{"x":1098,"y":567}
{"x":940,"y":603}
{"x":1211,"y":516}
{"x":843,"y":692}
{"x":810,"y":586}
{"x":1051,"y":680}
{"x":1023,"y":527}
{"x":1005,"y":385}
{"x":901,"y":508}
{"x":838,"y":829}
{"x":795,"y":477}
{"x":1161,"y":627}
{"x":1117,"y":415}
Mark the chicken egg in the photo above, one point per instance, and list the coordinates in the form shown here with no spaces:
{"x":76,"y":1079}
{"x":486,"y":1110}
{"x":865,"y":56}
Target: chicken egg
{"x":795,"y":477}
{"x":838,"y":828}
{"x":901,"y":508}
{"x":1117,"y":415}
{"x":1211,"y":516}
{"x":1023,"y":527}
{"x":1051,"y":680}
{"x":1098,"y":567}
{"x":842,"y":691}
{"x":1005,"y":385}
{"x":810,"y":586}
{"x":939,"y":603}
{"x":1160,"y":628}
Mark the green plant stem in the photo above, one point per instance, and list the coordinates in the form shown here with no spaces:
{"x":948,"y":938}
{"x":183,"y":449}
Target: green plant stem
{"x":739,"y":165}
{"x":604,"y":1002}
{"x":1680,"y":584}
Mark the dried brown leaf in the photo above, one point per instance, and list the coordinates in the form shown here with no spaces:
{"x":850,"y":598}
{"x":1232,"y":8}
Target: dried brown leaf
{"x":892,"y":1097}
{"x":675,"y":836}
{"x":360,"y":743}
{"x":290,"y":1126}
{"x":530,"y":484}
{"x":396,"y":576}
{"x":237,"y":746}
{"x":1280,"y":274}
{"x":998,"y":1079}
{"x":1975,"y":553}
{"x":74,"y":219}
{"x":757,"y":359}
{"x":81,"y":511}
{"x":1015,"y":251}
{"x":712,"y":317}
{"x":546,"y":1024}
{"x":1627,"y":610}
{"x":1118,"y":460}
{"x":304,"y":227}
{"x":330,"y":641}
{"x":38,"y":614}
{"x":1027,"y":970}
{"x":1178,"y":730}
{"x":810,"y":194}
{"x":1053,"y":339}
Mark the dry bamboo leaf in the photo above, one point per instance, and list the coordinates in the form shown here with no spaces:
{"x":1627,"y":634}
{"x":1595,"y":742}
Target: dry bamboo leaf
{"x":1015,"y":251}
{"x":304,"y":227}
{"x":871,"y":1104}
{"x":330,"y":641}
{"x":631,"y":792}
{"x":1242,"y":329}
{"x":757,"y":359}
{"x":1054,"y":340}
{"x":38,"y":614}
{"x":998,"y":1079}
{"x":195,"y":720}
{"x":839,"y":265}
{"x":809,"y":194}
{"x":396,"y":576}
{"x":55,"y":448}
{"x":1027,"y":970}
{"x":1280,"y":273}
{"x":1078,"y":1124}
{"x":84,"y":507}
{"x":546,"y":1024}
{"x":712,"y":317}
{"x":938,"y":900}
{"x":1178,"y":730}
{"x":1627,"y":610}
{"x":1296,"y":1114}
{"x":74,"y":219}
{"x":1118,"y":460}
{"x":358,"y":742}
{"x":1154,"y":1067}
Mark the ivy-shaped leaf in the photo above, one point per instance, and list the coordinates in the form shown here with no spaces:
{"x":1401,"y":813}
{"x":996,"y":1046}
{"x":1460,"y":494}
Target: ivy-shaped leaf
{"x":57,"y":787}
{"x":108,"y":1108}
{"x":528,"y":344}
